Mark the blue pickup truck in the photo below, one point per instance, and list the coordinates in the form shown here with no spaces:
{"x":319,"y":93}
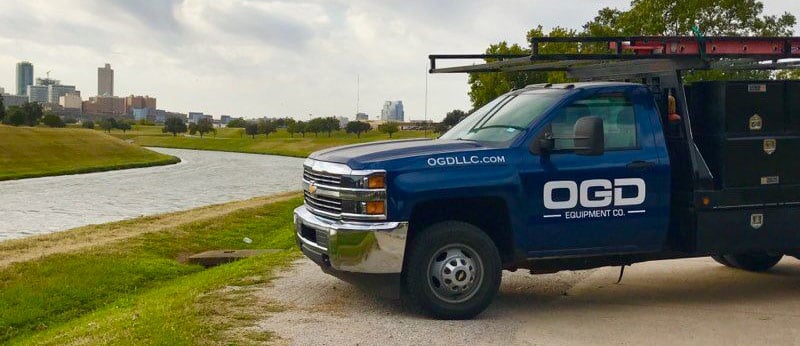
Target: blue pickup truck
{"x":569,"y":176}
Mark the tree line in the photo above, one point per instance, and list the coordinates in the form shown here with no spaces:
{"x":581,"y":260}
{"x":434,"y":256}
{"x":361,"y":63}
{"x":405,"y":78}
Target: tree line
{"x":30,"y":114}
{"x":643,"y":18}
{"x":325,"y":125}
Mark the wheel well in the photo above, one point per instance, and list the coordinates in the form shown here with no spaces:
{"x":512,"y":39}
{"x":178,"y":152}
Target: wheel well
{"x":490,"y":214}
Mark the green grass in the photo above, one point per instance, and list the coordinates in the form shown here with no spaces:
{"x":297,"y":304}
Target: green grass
{"x":279,"y":143}
{"x":136,"y":291}
{"x":27,"y":152}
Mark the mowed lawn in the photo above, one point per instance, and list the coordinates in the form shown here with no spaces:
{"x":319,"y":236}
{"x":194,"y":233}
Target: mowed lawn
{"x":279,"y":143}
{"x":27,"y":152}
{"x":128,"y":282}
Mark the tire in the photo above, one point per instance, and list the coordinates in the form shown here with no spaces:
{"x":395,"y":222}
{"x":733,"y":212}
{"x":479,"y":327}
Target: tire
{"x":452,"y":271}
{"x":754,"y":262}
{"x":721,"y":260}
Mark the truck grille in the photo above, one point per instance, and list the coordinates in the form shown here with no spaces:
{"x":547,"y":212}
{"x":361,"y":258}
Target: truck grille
{"x":322,"y":178}
{"x":323,"y":205}
{"x":326,"y":204}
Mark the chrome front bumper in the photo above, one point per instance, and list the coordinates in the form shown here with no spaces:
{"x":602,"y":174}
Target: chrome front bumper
{"x":351,"y":246}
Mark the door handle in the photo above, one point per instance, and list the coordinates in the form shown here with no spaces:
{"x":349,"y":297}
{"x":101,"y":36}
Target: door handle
{"x":640,"y":165}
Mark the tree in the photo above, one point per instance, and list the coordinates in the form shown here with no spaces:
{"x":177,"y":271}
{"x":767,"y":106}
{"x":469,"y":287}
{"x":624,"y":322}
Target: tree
{"x":315,"y":125}
{"x":357,"y":127}
{"x":302,"y":127}
{"x":329,"y":125}
{"x":124,"y":125}
{"x":33,"y":113}
{"x":389,"y":128}
{"x":50,"y":119}
{"x":674,"y":18}
{"x":645,"y":17}
{"x":70,"y":120}
{"x":2,"y":108}
{"x":15,"y":116}
{"x":266,"y":126}
{"x":251,"y":129}
{"x":108,"y":124}
{"x":712,"y":18}
{"x":174,"y":125}
{"x":485,"y":87}
{"x":291,"y":126}
{"x":88,"y":124}
{"x":205,"y":125}
{"x":237,"y":123}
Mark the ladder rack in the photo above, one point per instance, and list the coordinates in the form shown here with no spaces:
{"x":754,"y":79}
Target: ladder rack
{"x":636,"y":56}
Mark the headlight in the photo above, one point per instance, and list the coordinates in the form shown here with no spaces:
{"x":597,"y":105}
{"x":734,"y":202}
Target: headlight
{"x":372,"y":181}
{"x":376,"y":181}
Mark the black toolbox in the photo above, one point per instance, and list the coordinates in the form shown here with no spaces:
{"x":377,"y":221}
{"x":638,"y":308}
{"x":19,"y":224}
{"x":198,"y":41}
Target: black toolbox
{"x":748,"y":131}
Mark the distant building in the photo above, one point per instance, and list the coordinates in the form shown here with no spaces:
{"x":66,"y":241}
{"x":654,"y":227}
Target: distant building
{"x":168,"y":115}
{"x":362,"y":117}
{"x":417,"y":125}
{"x":194,"y":117}
{"x":47,"y":81}
{"x":140,"y":113}
{"x":37,"y":93}
{"x":104,"y":105}
{"x":393,"y":111}
{"x":55,"y":91}
{"x":132,"y":102}
{"x":161,"y":115}
{"x":71,"y":100}
{"x":343,"y":121}
{"x":225,"y":119}
{"x":14,"y":100}
{"x":105,"y":81}
{"x":24,"y":77}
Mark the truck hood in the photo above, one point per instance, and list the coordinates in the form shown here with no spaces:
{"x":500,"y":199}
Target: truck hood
{"x":358,"y":155}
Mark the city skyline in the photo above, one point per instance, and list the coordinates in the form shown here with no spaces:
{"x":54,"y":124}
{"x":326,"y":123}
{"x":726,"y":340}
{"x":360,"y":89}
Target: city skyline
{"x":272,"y":58}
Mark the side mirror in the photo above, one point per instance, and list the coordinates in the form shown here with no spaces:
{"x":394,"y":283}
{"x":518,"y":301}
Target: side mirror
{"x":589,"y":138}
{"x":544,"y":143}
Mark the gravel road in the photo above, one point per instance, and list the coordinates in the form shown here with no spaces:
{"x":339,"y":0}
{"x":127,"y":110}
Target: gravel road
{"x":692,"y":301}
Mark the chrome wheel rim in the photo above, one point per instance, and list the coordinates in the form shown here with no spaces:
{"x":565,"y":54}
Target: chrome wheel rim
{"x":454,"y":273}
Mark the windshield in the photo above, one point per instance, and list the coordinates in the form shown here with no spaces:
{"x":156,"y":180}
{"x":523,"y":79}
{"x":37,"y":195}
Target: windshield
{"x":506,"y":117}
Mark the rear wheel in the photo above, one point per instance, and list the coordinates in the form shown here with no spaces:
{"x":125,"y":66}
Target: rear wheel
{"x":452,"y":271}
{"x":754,"y":262}
{"x":721,"y":260}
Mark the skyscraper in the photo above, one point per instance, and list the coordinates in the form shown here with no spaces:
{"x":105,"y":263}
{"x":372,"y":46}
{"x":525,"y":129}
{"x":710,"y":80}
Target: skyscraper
{"x":393,"y":111}
{"x":105,"y":81}
{"x":24,"y":77}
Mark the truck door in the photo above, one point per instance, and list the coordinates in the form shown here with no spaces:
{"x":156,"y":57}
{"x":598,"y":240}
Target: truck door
{"x":616,"y":202}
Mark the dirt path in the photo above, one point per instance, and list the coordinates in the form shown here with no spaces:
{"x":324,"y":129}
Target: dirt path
{"x":322,"y":310}
{"x":693,"y":301}
{"x":19,"y":250}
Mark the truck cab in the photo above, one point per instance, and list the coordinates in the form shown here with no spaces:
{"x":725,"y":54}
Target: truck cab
{"x":544,"y":178}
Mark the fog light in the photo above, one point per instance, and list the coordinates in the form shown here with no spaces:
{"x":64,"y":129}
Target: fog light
{"x":375,"y":207}
{"x":376,"y":182}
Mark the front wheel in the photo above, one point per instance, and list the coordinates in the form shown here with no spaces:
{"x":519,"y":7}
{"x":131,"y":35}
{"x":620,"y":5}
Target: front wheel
{"x":754,"y":262}
{"x":453,"y":271}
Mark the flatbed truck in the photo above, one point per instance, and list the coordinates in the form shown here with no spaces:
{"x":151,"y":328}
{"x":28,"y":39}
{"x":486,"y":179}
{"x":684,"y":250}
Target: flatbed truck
{"x":623,"y":166}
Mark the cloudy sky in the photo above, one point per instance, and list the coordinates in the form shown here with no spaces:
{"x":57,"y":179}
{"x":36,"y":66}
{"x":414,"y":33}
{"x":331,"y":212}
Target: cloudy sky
{"x":275,"y":58}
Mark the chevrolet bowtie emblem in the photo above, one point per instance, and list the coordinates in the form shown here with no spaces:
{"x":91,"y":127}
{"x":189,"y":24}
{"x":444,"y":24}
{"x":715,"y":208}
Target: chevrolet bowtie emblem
{"x":312,"y":188}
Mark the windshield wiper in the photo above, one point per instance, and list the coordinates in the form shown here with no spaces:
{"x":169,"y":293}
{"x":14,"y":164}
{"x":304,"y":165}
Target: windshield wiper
{"x":498,"y":126}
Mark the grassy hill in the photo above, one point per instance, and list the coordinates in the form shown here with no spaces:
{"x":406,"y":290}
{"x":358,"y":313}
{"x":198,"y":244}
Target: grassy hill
{"x":279,"y":143}
{"x":27,"y":152}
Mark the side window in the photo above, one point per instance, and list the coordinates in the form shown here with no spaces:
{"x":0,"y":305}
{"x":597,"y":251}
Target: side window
{"x":619,"y":121}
